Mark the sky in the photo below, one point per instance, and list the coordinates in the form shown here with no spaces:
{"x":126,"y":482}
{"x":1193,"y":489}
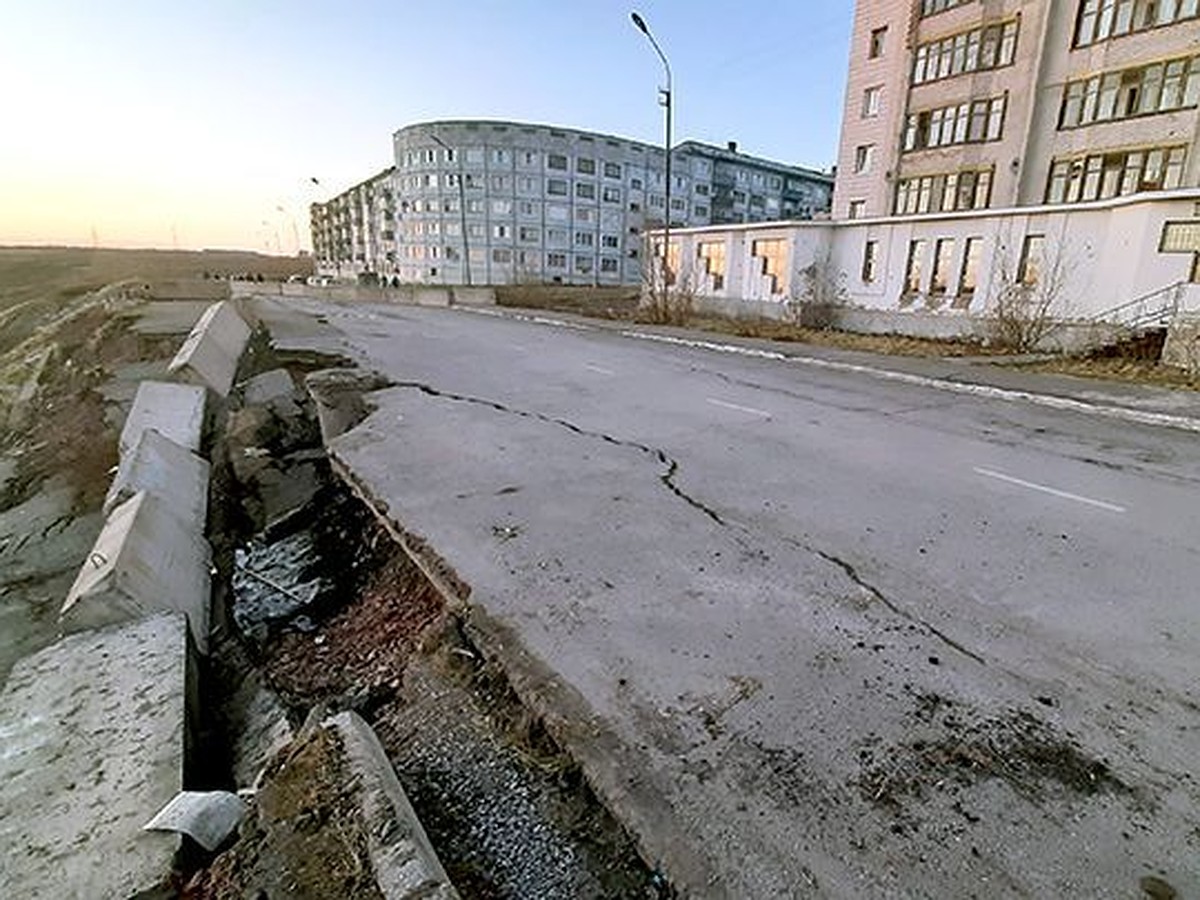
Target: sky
{"x":190,"y":125}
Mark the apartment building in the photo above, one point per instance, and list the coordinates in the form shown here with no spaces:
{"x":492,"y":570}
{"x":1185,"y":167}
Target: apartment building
{"x":492,"y":202}
{"x":958,"y":105}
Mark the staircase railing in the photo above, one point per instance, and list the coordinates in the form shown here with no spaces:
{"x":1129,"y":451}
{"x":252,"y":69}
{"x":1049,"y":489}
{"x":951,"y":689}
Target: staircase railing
{"x":1155,"y":308}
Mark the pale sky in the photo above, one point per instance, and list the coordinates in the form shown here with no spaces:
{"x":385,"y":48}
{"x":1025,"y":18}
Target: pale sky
{"x":164,"y":124}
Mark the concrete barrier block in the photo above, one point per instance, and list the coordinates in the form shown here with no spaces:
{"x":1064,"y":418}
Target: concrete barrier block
{"x":210,"y":354}
{"x":145,"y":561}
{"x":430,"y":297}
{"x":93,"y":732}
{"x":170,"y":472}
{"x":175,"y":411}
{"x":1182,"y":348}
{"x":274,"y":390}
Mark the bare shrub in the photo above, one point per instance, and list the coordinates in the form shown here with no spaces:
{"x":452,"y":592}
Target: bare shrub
{"x":666,"y":301}
{"x":816,"y":296}
{"x":1025,"y":306}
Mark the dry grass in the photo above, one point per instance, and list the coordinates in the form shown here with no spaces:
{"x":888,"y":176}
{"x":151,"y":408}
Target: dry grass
{"x":1137,"y":371}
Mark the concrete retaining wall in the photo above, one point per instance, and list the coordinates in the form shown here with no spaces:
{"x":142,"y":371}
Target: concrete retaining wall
{"x":210,"y":354}
{"x":405,"y":294}
{"x":175,"y":411}
{"x":163,"y":468}
{"x":94,"y":737}
{"x":145,"y":561}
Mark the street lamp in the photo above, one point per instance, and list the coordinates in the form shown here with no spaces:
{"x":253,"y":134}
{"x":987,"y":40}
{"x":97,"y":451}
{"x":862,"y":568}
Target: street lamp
{"x":462,"y":207}
{"x":665,"y":94}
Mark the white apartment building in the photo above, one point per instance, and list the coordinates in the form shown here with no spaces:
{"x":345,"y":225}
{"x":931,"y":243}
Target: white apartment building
{"x":490,"y":202}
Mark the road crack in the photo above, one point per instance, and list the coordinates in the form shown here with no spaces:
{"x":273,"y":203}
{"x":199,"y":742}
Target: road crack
{"x":667,"y":477}
{"x":853,"y":574}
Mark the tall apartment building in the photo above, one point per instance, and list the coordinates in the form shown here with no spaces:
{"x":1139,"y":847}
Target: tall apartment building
{"x":491,"y":202}
{"x":976,"y":104}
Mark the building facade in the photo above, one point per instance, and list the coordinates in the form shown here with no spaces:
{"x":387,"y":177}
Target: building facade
{"x":956,"y":105}
{"x":488,"y":202}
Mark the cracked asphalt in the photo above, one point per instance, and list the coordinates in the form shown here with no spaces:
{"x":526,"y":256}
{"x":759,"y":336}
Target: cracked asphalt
{"x":810,"y":632}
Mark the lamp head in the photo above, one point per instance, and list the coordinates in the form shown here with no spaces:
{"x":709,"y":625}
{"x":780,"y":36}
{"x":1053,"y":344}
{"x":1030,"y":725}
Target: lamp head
{"x":640,"y":23}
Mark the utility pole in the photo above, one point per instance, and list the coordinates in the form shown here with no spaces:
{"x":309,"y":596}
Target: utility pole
{"x":665,"y":100}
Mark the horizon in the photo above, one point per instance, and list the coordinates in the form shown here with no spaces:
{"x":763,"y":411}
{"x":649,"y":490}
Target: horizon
{"x":180,"y":128}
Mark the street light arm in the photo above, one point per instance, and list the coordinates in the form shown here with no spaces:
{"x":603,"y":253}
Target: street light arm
{"x":645,"y":29}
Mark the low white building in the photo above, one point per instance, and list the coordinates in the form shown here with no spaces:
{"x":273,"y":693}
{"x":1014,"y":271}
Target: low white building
{"x":940,"y":275}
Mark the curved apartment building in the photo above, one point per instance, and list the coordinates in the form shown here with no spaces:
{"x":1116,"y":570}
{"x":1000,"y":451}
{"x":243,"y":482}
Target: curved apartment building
{"x":490,"y":202}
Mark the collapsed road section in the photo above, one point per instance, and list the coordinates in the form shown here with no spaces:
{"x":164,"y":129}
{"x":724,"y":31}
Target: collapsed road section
{"x":327,"y":613}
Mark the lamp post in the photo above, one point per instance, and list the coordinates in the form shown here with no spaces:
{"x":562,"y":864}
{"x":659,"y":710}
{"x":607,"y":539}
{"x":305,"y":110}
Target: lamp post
{"x":665,"y":94}
{"x":462,"y":207}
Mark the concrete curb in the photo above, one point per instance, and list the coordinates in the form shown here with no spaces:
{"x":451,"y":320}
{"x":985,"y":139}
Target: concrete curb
{"x":406,"y":866}
{"x":210,"y":354}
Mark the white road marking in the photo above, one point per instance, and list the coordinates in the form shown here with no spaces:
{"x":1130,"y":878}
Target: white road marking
{"x":745,"y":409}
{"x":600,"y":369}
{"x":1045,"y":489}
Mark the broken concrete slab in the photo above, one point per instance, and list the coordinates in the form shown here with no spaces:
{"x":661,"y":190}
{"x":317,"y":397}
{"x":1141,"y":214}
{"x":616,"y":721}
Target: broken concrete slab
{"x":405,"y":863}
{"x":175,"y":411}
{"x":1182,"y":348}
{"x":94,"y":730}
{"x":145,"y":561}
{"x":274,"y":390}
{"x":207,"y":817}
{"x":210,"y":354}
{"x":167,"y":470}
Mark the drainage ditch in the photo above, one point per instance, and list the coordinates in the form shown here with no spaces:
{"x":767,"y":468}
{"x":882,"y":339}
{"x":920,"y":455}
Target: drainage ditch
{"x":321,"y":609}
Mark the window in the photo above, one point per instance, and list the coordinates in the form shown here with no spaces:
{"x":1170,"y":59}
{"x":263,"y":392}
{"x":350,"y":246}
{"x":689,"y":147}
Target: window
{"x":502,"y":231}
{"x":584,"y":264}
{"x":474,"y":156}
{"x":502,"y":207}
{"x":584,"y":239}
{"x":943,"y":252}
{"x":556,"y":260}
{"x":556,"y":187}
{"x":556,"y":161}
{"x":583,"y":214}
{"x":702,"y":190}
{"x":875,"y":49}
{"x":857,"y":209}
{"x":449,"y":204}
{"x":502,"y":255}
{"x":556,"y":212}
{"x":610,"y":241}
{"x":678,"y":204}
{"x":612,"y":170}
{"x":1103,"y":19}
{"x":991,"y":47}
{"x":964,"y":123}
{"x":912,"y":268}
{"x":635,"y":184}
{"x":700,"y":212}
{"x":968,"y":278}
{"x":528,"y":234}
{"x":585,"y":166}
{"x":611,"y":195}
{"x":929,"y":7}
{"x":475,"y":230}
{"x":1029,"y":271}
{"x":500,"y":156}
{"x":869,"y":261}
{"x":1161,"y":87}
{"x":585,"y":190}
{"x":712,"y":255}
{"x":527,"y":184}
{"x":862,"y":158}
{"x":870,"y":103}
{"x":608,"y":265}
{"x":1101,"y":176}
{"x":772,"y":255}
{"x":475,"y":206}
{"x":970,"y":189}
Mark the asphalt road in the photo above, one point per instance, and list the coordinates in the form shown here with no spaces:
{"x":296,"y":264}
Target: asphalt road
{"x":814,"y":630}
